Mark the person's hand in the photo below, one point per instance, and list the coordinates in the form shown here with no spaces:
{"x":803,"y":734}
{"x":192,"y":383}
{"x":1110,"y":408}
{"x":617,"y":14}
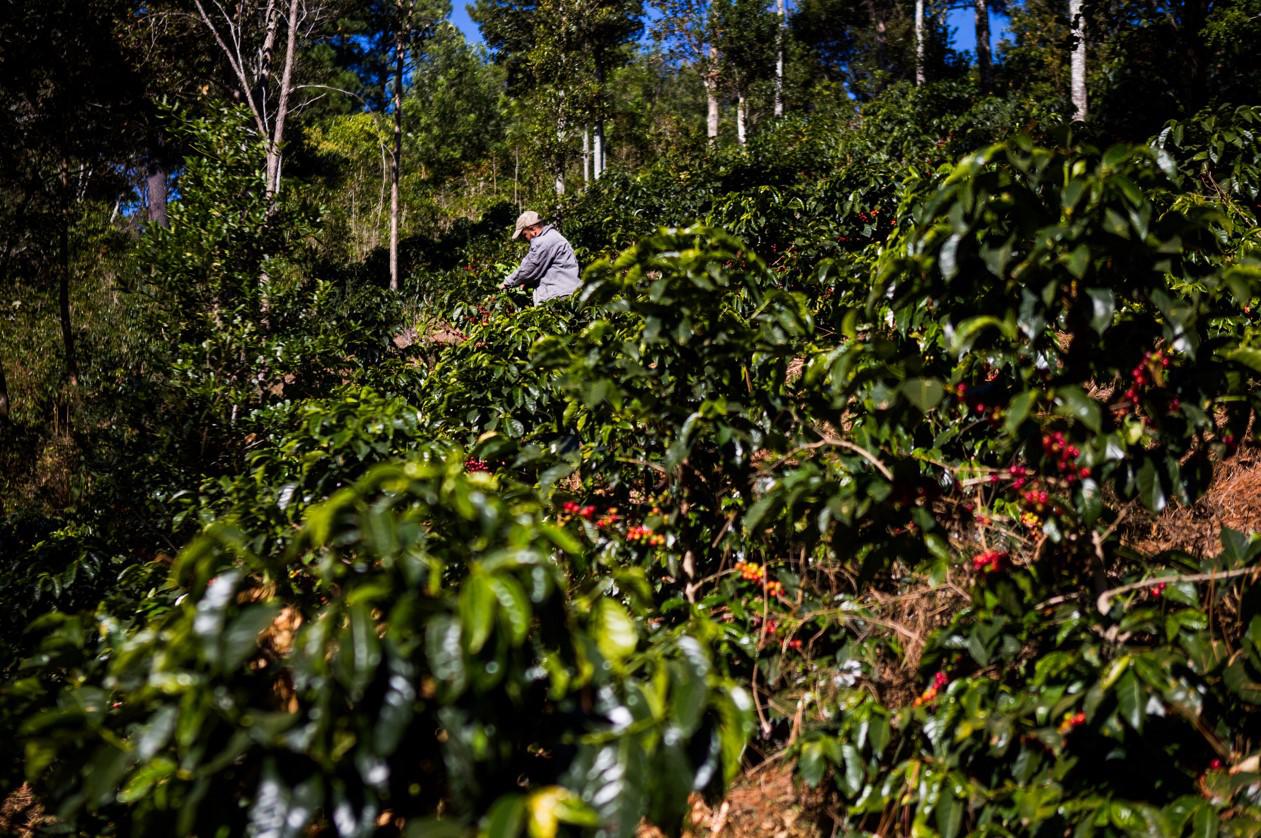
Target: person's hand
{"x":506,"y":284}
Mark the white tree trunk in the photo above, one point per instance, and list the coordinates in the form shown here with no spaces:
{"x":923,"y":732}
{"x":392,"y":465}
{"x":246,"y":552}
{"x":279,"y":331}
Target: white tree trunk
{"x":779,"y":57}
{"x":396,"y":161}
{"x":741,"y":119}
{"x":919,"y":42}
{"x":586,"y":156}
{"x":711,"y":96}
{"x":1078,"y":26}
{"x":271,"y":25}
{"x":560,"y":154}
{"x":598,"y":150}
{"x":274,"y":148}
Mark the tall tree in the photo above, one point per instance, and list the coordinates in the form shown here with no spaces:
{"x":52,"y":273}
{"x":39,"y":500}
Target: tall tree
{"x":74,"y":110}
{"x":456,"y":108}
{"x":685,"y":28}
{"x":919,"y":42}
{"x":180,"y":65}
{"x":745,"y":37}
{"x":871,"y":43}
{"x":984,"y":60}
{"x":560,"y":55}
{"x":381,"y":45}
{"x":412,"y":22}
{"x":780,"y":32}
{"x":508,"y":28}
{"x":252,"y":36}
{"x":1077,"y":24}
{"x":828,"y":30}
{"x":578,"y":44}
{"x":537,"y":73}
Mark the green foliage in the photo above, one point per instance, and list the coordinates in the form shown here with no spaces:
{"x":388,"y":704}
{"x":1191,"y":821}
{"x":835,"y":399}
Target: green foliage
{"x":746,"y":36}
{"x":858,"y":416}
{"x":245,"y":319}
{"x":383,"y":659}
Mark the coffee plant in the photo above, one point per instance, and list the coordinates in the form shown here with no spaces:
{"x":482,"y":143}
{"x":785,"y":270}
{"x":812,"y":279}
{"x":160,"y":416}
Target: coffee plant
{"x":839,"y":465}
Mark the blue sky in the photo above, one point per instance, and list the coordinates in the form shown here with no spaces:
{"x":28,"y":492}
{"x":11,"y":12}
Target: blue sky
{"x":960,"y":20}
{"x":459,"y":16}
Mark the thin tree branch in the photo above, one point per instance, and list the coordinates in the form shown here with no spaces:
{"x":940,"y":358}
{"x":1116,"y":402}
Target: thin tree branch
{"x":1105,"y":598}
{"x":236,"y":68}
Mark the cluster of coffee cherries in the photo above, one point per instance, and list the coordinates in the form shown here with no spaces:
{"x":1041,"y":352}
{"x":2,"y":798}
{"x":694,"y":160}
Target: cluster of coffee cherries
{"x":1144,"y":375}
{"x":1019,"y":476}
{"x":988,"y":562}
{"x":645,"y":535}
{"x":571,"y":509}
{"x":940,"y":681}
{"x":866,"y":216}
{"x":770,"y":627}
{"x":1072,"y":720}
{"x":588,"y":512}
{"x":1037,"y":499}
{"x":974,"y":405}
{"x":1156,"y":591}
{"x":638,"y":534}
{"x":1056,"y":447}
{"x":753,"y":572}
{"x":473,"y":465}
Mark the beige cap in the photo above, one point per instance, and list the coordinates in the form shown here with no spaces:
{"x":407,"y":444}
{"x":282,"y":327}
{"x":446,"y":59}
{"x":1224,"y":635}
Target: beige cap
{"x":527,"y":219}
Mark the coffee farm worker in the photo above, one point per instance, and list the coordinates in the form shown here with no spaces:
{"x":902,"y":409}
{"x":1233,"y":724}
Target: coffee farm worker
{"x":550,"y":266}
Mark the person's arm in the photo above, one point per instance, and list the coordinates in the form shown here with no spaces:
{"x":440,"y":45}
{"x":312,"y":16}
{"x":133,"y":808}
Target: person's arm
{"x":533,"y":266}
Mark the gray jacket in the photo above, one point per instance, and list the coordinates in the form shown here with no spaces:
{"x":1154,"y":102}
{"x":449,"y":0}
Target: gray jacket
{"x":550,"y":264}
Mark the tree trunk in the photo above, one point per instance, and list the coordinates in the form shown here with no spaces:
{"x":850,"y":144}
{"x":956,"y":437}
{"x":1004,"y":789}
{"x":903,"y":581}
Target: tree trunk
{"x":396,"y":162}
{"x":560,"y":156}
{"x":598,"y":150}
{"x":1077,"y":23}
{"x":586,"y":156}
{"x":598,"y":138}
{"x":779,"y":57}
{"x":983,"y":59}
{"x":711,"y":96}
{"x":274,"y":146}
{"x":878,"y":24}
{"x":271,"y":26}
{"x":741,"y":117}
{"x":155,"y":192}
{"x":919,"y":42}
{"x":63,"y":281}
